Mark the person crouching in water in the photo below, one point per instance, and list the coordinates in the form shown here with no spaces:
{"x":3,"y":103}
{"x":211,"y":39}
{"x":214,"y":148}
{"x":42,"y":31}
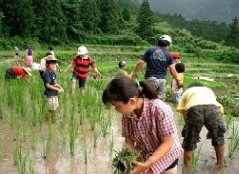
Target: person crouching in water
{"x":52,"y":89}
{"x":147,"y":125}
{"x":17,"y":71}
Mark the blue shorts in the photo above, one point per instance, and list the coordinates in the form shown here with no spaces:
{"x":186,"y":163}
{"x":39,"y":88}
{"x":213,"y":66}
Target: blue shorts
{"x":81,"y":81}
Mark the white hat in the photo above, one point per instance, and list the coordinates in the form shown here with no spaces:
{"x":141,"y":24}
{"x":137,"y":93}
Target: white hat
{"x":82,"y":50}
{"x":27,"y":70}
{"x":122,"y":63}
{"x":166,"y":38}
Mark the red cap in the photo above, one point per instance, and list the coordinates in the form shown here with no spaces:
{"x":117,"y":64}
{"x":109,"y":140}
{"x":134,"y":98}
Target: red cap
{"x":176,"y":55}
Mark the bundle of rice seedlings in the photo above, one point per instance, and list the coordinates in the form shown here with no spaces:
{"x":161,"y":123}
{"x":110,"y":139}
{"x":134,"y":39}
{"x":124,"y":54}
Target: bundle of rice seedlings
{"x":122,"y":162}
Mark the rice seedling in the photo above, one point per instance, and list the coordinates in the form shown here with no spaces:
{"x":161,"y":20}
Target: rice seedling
{"x":105,"y":122}
{"x":112,"y":142}
{"x":195,"y":158}
{"x":122,"y":161}
{"x":228,"y":120}
{"x":233,"y":147}
{"x":46,"y":142}
{"x":73,"y":129}
{"x":21,"y":161}
{"x":96,"y":136}
{"x":85,"y":146}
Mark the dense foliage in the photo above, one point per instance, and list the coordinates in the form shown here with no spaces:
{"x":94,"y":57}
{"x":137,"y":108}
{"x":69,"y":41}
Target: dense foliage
{"x":109,"y":22}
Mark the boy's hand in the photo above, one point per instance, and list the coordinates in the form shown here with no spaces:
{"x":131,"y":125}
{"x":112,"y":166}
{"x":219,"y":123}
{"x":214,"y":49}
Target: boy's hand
{"x":60,"y":90}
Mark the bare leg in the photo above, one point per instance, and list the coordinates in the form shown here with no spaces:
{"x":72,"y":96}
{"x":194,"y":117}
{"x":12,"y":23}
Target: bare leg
{"x":187,"y":161}
{"x":73,"y":86}
{"x":220,"y":158}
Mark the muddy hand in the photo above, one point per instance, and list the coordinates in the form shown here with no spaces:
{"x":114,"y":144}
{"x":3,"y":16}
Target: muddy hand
{"x":138,"y":167}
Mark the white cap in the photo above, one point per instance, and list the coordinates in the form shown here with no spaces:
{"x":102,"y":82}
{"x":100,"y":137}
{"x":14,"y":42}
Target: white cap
{"x":82,"y":50}
{"x":166,"y":38}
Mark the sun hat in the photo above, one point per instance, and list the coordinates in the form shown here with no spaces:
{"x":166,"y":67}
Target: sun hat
{"x":51,"y":58}
{"x":27,"y":70}
{"x":82,"y":50}
{"x":166,"y":38}
{"x":176,"y":55}
{"x":122,"y":63}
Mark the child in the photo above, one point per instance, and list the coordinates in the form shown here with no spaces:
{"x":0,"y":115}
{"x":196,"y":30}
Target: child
{"x":121,"y":71}
{"x":176,"y":57}
{"x":200,"y":107}
{"x":29,"y":56}
{"x":42,"y":67}
{"x":52,"y":88}
{"x":17,"y":52}
{"x":147,"y":124}
{"x":17,"y":71}
{"x":81,"y":63}
{"x":176,"y":90}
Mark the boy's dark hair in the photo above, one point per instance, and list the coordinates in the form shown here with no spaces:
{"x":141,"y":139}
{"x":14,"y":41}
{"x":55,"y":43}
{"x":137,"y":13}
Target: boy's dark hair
{"x":163,"y":43}
{"x":195,"y":84}
{"x":122,"y":89}
{"x":180,"y":68}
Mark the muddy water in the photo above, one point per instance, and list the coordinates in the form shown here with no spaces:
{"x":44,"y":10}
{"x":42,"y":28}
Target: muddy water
{"x":59,"y":160}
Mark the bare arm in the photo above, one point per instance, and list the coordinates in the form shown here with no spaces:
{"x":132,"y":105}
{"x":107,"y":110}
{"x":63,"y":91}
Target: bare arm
{"x":129,"y":144}
{"x":174,"y":73}
{"x":56,"y":87}
{"x":137,"y":68}
{"x":97,"y":72}
{"x":69,"y":66}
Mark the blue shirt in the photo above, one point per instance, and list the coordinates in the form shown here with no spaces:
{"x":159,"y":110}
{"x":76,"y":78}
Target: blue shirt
{"x":158,"y":59}
{"x":50,"y":77}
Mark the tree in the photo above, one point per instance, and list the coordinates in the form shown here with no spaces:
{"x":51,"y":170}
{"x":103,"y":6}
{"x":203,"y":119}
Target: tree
{"x":74,"y":25}
{"x":90,"y":16}
{"x":50,"y":21}
{"x":111,"y":17}
{"x":145,"y":20}
{"x":233,"y":36}
{"x":19,"y":17}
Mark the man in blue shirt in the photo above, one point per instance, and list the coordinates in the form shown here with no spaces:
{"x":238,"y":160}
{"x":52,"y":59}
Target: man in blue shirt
{"x":158,"y":59}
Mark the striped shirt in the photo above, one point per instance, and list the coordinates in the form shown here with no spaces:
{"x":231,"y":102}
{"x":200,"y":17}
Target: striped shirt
{"x":156,"y":121}
{"x":81,"y":65}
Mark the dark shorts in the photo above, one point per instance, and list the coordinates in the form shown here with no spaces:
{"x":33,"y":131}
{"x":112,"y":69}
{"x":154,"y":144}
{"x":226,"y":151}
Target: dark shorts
{"x":9,"y":74}
{"x":81,"y":81}
{"x":199,"y":116}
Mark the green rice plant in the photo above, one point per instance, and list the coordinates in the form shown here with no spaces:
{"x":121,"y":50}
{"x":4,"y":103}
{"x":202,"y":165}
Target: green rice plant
{"x":105,"y":122}
{"x":85,"y":146}
{"x":96,"y":136}
{"x":228,"y":119}
{"x":46,"y":142}
{"x":34,"y":114}
{"x":42,"y":111}
{"x":21,"y":161}
{"x":112,"y":142}
{"x":195,"y":158}
{"x":73,"y":129}
{"x":233,"y":147}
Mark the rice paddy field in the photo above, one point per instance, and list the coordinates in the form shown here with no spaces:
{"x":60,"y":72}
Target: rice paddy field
{"x":86,"y":135}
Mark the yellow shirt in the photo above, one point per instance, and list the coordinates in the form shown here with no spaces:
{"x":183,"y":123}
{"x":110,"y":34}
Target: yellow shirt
{"x":198,"y":95}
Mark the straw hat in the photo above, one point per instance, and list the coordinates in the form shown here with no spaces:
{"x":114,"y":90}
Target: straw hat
{"x":51,"y":58}
{"x":27,"y":70}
